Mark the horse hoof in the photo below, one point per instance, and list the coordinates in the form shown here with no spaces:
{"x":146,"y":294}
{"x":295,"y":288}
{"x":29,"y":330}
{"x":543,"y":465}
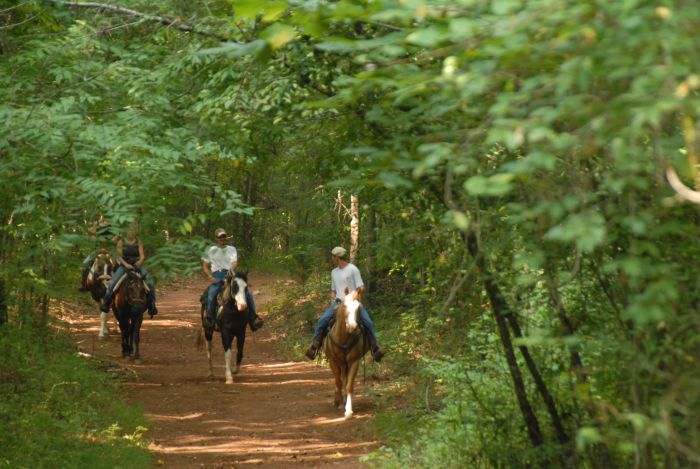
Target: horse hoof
{"x":210,"y":375}
{"x":348,"y":415}
{"x":229,"y":381}
{"x":137,"y":361}
{"x":236,"y":370}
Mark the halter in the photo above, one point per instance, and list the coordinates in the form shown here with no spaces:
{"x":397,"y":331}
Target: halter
{"x":352,"y":306}
{"x":238,"y":297}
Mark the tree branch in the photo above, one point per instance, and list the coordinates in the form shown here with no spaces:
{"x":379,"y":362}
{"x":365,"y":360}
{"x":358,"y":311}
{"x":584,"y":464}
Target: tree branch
{"x":169,"y":22}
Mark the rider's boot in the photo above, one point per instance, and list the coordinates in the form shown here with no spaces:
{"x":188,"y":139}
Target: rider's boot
{"x":152,"y":310}
{"x":83,"y":279}
{"x":315,"y":345}
{"x":256,"y":323}
{"x":377,"y":352}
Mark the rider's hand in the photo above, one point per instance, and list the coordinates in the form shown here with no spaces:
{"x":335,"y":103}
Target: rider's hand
{"x":128,"y":266}
{"x":213,"y":280}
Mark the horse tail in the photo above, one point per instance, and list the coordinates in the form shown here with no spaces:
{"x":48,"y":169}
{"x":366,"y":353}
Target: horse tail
{"x":199,"y":339}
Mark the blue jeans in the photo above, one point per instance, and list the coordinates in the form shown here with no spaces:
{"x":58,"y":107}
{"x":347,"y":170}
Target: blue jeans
{"x":121,"y":271}
{"x":327,"y":316}
{"x":214,"y":290}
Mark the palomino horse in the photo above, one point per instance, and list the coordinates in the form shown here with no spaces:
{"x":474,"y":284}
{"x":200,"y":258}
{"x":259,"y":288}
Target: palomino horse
{"x":231,"y":321}
{"x":344,"y":346}
{"x":129,"y":304}
{"x":98,"y":278}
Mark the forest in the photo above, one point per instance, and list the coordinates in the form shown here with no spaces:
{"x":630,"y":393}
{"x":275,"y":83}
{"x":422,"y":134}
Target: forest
{"x":498,"y":169}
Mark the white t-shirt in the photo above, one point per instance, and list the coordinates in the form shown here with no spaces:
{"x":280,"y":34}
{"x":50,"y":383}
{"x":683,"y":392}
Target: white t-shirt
{"x":220,"y":258}
{"x":348,"y":276}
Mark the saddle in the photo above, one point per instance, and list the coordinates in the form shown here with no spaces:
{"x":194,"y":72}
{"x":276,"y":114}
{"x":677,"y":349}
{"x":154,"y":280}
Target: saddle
{"x":123,"y":278}
{"x":203,"y":301}
{"x":361,"y":328}
{"x":101,"y":269}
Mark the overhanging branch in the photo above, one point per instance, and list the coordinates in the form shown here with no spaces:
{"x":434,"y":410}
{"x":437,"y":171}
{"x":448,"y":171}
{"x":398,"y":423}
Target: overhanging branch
{"x":176,"y":23}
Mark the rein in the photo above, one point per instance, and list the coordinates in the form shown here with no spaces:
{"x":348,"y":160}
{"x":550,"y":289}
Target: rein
{"x":346,"y":347}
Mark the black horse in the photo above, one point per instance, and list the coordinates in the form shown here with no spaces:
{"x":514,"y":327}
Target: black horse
{"x":231,"y":320}
{"x":129,"y":305}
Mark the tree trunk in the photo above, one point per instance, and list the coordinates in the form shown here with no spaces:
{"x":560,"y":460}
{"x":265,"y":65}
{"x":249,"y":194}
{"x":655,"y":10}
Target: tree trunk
{"x":354,"y":227}
{"x":539,"y":382}
{"x":247,"y":222}
{"x":3,"y":303}
{"x":501,"y":310}
{"x":370,"y":245}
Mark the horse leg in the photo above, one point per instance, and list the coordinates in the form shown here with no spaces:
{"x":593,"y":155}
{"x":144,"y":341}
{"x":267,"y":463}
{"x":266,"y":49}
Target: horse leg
{"x":335,"y":368}
{"x":349,"y":386}
{"x":240,"y":342}
{"x":103,"y":326}
{"x":137,"y":338}
{"x":226,"y":341}
{"x":209,"y":332}
{"x":130,"y":337}
{"x":124,"y":327}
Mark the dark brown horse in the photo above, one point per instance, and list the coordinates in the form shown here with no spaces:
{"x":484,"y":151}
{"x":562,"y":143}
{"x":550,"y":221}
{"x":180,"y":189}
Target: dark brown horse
{"x":231,"y":321}
{"x":97,"y":280}
{"x":345,"y":346}
{"x":129,"y":305}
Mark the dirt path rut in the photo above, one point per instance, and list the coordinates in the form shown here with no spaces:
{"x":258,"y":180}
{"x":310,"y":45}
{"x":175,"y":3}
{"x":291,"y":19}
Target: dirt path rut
{"x":277,"y":413}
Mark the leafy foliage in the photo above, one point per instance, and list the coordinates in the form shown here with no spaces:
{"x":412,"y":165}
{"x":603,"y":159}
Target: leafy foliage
{"x":61,"y":409}
{"x":527,"y":262}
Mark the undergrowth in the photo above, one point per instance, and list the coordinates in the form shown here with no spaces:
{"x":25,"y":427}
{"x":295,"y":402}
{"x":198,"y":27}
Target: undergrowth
{"x":58,"y":411}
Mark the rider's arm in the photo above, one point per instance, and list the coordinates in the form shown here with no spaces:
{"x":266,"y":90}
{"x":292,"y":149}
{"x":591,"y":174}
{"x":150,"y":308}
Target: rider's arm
{"x":142,"y":256}
{"x":207,"y":271}
{"x":122,"y":261}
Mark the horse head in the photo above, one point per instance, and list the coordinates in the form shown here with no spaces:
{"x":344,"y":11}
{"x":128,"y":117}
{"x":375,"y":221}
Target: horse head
{"x":135,"y":289}
{"x":351,"y":302}
{"x":235,"y":291}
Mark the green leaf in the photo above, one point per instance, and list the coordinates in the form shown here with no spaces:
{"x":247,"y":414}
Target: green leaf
{"x":427,"y":37}
{"x":587,"y":436}
{"x":586,"y":230}
{"x":489,"y":186}
{"x":234,"y":49}
{"x":278,"y":35}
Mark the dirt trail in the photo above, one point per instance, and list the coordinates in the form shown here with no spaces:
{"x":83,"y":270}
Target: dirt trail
{"x":276,"y":414}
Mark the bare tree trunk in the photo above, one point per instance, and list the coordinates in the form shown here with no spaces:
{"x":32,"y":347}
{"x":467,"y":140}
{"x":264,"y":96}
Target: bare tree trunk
{"x":539,"y":382}
{"x":247,"y":222}
{"x":354,"y":227}
{"x":501,"y":310}
{"x":371,"y":247}
{"x":3,"y":303}
{"x":339,"y":207}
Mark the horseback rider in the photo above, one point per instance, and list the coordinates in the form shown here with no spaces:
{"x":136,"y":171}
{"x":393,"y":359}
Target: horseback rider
{"x":345,"y":276}
{"x":105,"y":236}
{"x":131,"y":255}
{"x":218,"y":263}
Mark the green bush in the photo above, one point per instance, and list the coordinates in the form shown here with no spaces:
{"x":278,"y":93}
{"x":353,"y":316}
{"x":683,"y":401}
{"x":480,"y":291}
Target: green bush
{"x":58,"y":411}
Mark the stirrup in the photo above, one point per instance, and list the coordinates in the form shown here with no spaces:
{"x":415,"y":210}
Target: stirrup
{"x":311,"y":352}
{"x":378,"y":354}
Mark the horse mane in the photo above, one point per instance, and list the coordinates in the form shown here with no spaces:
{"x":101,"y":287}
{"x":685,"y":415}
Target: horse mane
{"x":226,"y":295}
